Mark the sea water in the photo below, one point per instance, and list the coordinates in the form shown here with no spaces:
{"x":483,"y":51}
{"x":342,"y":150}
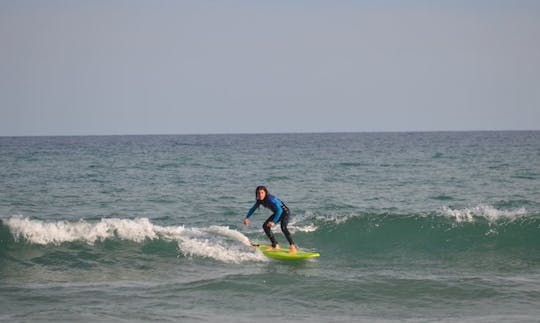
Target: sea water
{"x":441,"y":226}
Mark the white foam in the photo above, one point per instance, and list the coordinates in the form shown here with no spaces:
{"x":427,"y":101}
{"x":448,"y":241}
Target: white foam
{"x":305,"y":228}
{"x":487,"y":212}
{"x":227,"y":232}
{"x":216,"y":242}
{"x":336,"y":218}
{"x":219,"y":243}
{"x":40,"y":232}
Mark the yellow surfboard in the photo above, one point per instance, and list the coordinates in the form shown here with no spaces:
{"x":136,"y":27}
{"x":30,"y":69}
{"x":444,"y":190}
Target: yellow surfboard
{"x":284,"y":254}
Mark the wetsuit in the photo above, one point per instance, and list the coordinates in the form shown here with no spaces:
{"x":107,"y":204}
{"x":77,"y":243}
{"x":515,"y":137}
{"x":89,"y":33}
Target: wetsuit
{"x":280,"y":214}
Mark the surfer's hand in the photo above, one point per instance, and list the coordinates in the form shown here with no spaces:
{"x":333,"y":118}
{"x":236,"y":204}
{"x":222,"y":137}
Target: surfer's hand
{"x":270,"y":224}
{"x":246,"y":221}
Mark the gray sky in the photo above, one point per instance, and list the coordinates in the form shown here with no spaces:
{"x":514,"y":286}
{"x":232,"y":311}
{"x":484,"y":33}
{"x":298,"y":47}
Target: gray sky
{"x":152,"y":67}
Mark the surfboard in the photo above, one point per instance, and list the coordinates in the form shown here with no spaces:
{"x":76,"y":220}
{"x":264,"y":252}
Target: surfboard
{"x":284,"y":254}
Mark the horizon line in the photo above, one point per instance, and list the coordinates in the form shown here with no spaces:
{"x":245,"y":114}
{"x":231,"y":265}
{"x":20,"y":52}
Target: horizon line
{"x":263,"y":133}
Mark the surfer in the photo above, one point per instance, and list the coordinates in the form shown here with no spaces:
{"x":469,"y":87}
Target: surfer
{"x":280,"y":214}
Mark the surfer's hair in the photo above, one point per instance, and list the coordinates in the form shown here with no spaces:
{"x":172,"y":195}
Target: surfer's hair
{"x":261,"y":188}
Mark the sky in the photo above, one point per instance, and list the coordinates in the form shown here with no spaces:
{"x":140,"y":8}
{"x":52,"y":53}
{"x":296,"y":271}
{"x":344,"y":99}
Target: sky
{"x":200,"y":67}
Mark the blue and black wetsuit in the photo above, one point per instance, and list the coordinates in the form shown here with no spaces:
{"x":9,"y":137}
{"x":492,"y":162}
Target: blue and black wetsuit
{"x":280,"y":215}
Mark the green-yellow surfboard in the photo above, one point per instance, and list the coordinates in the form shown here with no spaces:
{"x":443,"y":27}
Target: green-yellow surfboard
{"x":284,"y":254}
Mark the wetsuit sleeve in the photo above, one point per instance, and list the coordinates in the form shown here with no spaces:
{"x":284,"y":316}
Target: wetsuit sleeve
{"x":253,"y":209}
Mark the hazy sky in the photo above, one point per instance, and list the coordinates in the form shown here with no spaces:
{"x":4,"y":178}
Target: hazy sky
{"x":173,"y":67}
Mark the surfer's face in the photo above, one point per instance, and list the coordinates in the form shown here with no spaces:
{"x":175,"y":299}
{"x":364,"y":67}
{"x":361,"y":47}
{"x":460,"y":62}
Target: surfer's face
{"x":261,"y":194}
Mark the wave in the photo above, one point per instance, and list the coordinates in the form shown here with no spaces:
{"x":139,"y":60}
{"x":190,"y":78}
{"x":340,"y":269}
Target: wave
{"x":469,"y":214}
{"x":215,"y":242}
{"x":447,"y":231}
{"x":486,"y":212}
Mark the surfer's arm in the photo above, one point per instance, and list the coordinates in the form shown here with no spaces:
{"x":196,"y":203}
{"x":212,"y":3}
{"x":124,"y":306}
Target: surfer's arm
{"x":253,"y":209}
{"x":250,"y":212}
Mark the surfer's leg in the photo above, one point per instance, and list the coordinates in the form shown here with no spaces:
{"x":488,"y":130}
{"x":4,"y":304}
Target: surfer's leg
{"x":284,"y":229}
{"x":268,"y":231}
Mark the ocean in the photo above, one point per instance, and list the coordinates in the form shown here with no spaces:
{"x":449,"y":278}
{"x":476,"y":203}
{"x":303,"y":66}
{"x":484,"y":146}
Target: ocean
{"x":411,"y":227}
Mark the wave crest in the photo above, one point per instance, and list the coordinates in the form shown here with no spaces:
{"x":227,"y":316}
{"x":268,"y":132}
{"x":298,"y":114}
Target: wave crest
{"x":214,"y":242}
{"x":487,"y":212}
{"x":44,"y":233}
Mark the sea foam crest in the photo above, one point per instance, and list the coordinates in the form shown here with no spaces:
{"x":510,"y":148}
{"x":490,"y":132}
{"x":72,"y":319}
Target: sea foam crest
{"x":487,"y":212}
{"x":215,"y":242}
{"x":218,"y":243}
{"x":305,"y":228}
{"x":40,"y":232}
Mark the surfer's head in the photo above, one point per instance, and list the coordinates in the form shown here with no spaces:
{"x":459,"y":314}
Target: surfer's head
{"x":261,"y":193}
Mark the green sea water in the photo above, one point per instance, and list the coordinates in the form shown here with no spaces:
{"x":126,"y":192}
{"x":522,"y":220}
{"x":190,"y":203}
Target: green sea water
{"x":441,"y":226}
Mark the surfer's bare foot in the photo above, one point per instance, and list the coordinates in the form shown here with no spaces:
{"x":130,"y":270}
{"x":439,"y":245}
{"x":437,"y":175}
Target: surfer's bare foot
{"x":292,"y":249}
{"x":275,"y":248}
